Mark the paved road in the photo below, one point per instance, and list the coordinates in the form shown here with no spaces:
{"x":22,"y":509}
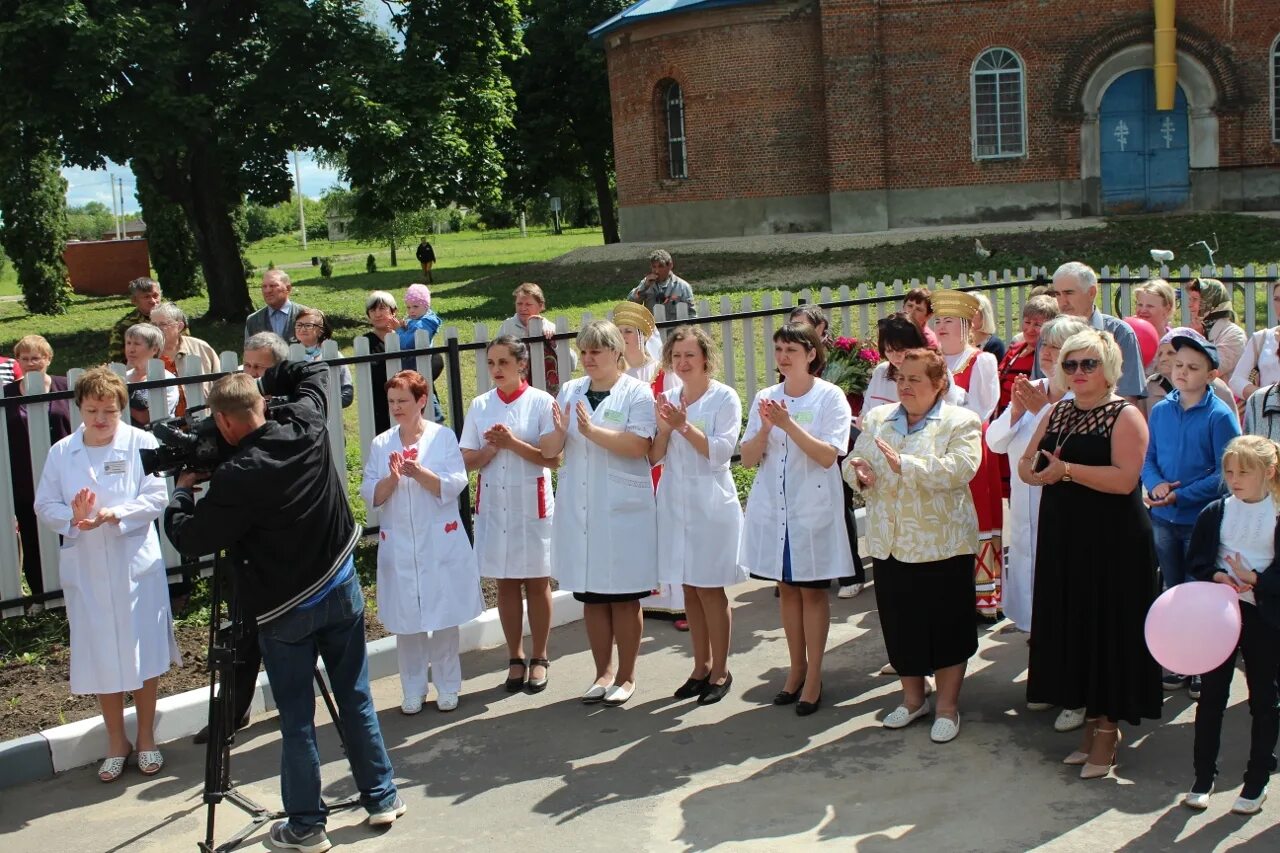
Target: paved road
{"x":544,"y":772}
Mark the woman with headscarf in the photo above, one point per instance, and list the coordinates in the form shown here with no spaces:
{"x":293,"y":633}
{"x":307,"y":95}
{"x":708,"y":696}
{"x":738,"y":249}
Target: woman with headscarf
{"x":1211,"y":310}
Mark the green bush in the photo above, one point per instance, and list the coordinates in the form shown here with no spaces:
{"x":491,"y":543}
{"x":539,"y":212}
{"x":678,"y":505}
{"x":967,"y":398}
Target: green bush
{"x":33,"y":207}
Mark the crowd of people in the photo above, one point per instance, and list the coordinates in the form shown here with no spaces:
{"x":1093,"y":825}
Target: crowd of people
{"x":1053,"y":437}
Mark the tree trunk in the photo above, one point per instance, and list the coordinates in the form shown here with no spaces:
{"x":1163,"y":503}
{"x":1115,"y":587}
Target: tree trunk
{"x":604,"y":199}
{"x":393,"y":252}
{"x":210,"y":213}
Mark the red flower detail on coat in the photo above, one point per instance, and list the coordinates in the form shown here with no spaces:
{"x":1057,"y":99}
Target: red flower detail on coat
{"x":450,"y":527}
{"x":410,"y":453}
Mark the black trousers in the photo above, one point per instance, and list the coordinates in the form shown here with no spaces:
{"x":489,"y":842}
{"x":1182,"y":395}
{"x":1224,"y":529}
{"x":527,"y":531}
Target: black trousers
{"x":851,"y":527}
{"x":1260,"y":648}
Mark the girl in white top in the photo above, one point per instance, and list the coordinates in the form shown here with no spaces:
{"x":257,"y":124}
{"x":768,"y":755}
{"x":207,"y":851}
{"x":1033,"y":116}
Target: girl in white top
{"x":502,"y":439}
{"x":1262,"y":353}
{"x":143,"y":342}
{"x":1010,"y":433}
{"x":896,"y":334}
{"x":794,"y":530}
{"x":698,"y":509}
{"x":94,"y":493}
{"x":428,"y":581}
{"x":1234,"y":543}
{"x":604,"y":535}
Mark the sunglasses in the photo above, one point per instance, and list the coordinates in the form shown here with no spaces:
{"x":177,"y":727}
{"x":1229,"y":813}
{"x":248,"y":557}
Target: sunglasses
{"x":1088,"y":365}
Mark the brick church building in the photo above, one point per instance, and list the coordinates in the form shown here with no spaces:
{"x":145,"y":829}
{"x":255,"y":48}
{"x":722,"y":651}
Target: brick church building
{"x":740,"y":117}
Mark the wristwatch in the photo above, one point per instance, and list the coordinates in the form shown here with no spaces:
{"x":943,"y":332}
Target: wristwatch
{"x":1066,"y":472}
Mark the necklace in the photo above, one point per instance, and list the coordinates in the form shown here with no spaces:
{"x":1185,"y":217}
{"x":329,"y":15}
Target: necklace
{"x":1078,"y":420}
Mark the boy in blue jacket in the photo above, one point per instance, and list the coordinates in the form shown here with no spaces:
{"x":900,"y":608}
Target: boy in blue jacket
{"x":1182,"y":473}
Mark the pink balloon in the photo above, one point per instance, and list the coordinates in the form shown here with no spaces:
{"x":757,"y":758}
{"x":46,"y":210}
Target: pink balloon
{"x":1148,"y":339}
{"x":1192,"y":627}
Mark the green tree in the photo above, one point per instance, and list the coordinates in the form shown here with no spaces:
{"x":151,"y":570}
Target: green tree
{"x":170,"y":242}
{"x":206,"y":98}
{"x":564,"y":123}
{"x":33,"y":207}
{"x":397,"y":230}
{"x":90,"y":221}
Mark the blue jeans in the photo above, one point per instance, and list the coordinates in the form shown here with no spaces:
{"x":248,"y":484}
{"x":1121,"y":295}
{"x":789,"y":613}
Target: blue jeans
{"x":1171,"y":549}
{"x":333,"y":629}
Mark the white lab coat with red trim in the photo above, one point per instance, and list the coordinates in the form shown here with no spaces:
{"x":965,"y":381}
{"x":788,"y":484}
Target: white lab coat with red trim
{"x":514,"y":501}
{"x":427,"y":573}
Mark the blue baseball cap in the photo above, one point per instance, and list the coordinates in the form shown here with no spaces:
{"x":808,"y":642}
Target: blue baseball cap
{"x":1200,"y":345}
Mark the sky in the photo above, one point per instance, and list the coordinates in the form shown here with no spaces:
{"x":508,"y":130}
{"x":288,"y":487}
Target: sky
{"x":85,"y":186}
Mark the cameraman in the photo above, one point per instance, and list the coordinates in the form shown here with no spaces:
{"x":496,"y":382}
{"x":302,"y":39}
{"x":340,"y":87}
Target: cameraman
{"x":280,"y":507}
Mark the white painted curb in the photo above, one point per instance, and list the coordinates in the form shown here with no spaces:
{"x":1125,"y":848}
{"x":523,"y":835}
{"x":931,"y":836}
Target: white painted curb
{"x":85,"y":741}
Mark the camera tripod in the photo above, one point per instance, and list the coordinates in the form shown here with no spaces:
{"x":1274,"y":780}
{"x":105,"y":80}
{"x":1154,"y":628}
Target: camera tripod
{"x":227,"y":628}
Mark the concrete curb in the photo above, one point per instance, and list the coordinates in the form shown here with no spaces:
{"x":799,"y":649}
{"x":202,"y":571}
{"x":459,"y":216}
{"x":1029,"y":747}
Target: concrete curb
{"x":40,"y":756}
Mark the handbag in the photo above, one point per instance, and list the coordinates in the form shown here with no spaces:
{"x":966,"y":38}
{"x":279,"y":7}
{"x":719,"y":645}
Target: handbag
{"x":1255,"y":376}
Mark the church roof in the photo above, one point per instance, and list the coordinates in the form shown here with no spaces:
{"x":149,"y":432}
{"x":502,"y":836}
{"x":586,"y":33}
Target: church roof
{"x":647,"y":10}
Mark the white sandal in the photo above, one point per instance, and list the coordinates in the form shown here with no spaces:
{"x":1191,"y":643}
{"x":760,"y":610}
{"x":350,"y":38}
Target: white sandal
{"x":150,"y":758}
{"x":112,"y":768}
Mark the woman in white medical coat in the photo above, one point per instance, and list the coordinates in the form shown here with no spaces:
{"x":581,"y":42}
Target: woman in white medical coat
{"x":604,"y":535}
{"x":428,"y":581}
{"x":698,"y":510}
{"x":502,"y":439}
{"x":93,"y":493}
{"x":794,"y":530}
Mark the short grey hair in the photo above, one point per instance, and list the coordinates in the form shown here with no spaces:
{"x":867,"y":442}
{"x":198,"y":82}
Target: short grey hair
{"x":280,"y":274}
{"x":143,"y":284}
{"x":380,"y":299}
{"x":268,"y":341}
{"x":1060,"y":329}
{"x":662,"y":256}
{"x":1080,"y":271}
{"x":146,"y":334}
{"x":1044,"y":307}
{"x":168,"y":311}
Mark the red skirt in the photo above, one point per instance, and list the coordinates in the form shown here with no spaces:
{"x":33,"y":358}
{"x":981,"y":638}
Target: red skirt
{"x":986,"y":492}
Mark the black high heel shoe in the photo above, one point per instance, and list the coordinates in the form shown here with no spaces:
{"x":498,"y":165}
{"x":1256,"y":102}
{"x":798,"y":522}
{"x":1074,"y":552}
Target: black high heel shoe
{"x":804,"y":709}
{"x":541,"y":684}
{"x":515,"y":685}
{"x":785,"y":698}
{"x":692,"y":687}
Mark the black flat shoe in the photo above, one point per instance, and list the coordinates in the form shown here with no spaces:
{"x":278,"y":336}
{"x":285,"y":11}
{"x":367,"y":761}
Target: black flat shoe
{"x":785,"y":698}
{"x":692,"y":687}
{"x":515,"y":685}
{"x":715,"y":692}
{"x":541,"y":684}
{"x":202,"y":736}
{"x":804,"y":709}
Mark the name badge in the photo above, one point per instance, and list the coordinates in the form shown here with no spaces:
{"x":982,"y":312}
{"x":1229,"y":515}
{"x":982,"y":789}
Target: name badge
{"x":803,"y":417}
{"x":614,"y":416}
{"x":116,"y":466}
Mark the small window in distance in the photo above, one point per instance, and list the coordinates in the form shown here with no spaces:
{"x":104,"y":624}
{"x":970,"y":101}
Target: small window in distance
{"x":998,"y":105}
{"x":673,"y":110}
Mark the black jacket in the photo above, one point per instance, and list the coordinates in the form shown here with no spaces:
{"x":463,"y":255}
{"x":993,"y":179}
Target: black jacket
{"x":426,"y":253}
{"x":1202,"y":561}
{"x":278,"y":505}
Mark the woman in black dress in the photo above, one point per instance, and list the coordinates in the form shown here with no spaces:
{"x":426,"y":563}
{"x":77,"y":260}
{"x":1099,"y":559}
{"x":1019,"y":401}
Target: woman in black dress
{"x":1095,"y":559}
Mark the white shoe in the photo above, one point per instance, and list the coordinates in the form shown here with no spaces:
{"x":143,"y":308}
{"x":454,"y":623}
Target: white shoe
{"x":945,"y":729}
{"x":850,"y":591}
{"x":447,"y":702}
{"x":888,"y":669}
{"x":901,"y":716}
{"x":595,"y":693}
{"x":1039,"y":706}
{"x":1069,"y":720}
{"x":1197,"y":801}
{"x":411,"y":705}
{"x":1243,"y":806}
{"x":618,"y":695}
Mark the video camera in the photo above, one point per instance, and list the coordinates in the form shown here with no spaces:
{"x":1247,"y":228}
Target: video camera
{"x":187,"y":443}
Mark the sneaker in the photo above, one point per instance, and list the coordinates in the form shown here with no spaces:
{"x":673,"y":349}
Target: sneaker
{"x":1250,"y":800}
{"x":850,"y":591}
{"x":411,"y":705}
{"x":1193,"y":689}
{"x":284,"y":837}
{"x":388,"y":816}
{"x":1173,"y":681}
{"x":1069,"y":720}
{"x":447,"y":702}
{"x":1198,"y":797}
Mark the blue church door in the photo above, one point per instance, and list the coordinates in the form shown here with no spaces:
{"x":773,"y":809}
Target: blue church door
{"x":1146,"y":155}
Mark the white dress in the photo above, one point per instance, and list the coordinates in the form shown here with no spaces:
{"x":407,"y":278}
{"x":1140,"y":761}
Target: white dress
{"x":514,"y":504}
{"x":427,"y":573}
{"x":984,"y":383}
{"x":1024,"y":511}
{"x":604,"y":534}
{"x":113,"y":578}
{"x":699,"y":517}
{"x":792,"y":499}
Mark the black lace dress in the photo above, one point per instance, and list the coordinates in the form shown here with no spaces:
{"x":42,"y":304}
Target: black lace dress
{"x":1095,"y":579}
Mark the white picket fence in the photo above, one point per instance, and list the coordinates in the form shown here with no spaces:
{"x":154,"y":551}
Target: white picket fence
{"x":743,"y":333}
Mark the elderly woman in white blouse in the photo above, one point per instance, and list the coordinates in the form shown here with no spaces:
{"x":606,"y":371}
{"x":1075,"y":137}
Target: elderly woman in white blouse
{"x":1259,"y":364}
{"x":142,"y":343}
{"x":1030,"y":402}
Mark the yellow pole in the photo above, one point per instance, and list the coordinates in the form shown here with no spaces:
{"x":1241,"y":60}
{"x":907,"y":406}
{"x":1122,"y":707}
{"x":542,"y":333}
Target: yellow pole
{"x":1166,"y":65}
